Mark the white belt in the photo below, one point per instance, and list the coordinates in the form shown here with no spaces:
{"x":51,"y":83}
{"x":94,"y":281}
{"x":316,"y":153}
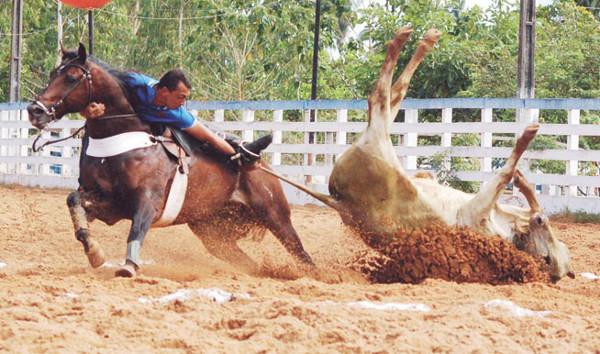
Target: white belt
{"x":118,"y":144}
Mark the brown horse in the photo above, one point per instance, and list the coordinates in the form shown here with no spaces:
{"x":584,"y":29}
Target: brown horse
{"x":222,"y":204}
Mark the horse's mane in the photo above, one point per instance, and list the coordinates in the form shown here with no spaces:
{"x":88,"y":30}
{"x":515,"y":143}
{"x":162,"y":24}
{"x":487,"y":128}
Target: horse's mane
{"x":117,"y":74}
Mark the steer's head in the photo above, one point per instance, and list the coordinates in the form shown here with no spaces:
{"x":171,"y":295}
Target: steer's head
{"x":541,"y":241}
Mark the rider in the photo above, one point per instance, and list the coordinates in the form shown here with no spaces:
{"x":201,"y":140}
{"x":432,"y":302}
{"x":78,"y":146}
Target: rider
{"x":162,"y":102}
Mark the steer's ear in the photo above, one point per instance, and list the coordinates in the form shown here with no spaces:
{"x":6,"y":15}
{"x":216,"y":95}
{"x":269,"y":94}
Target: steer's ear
{"x":81,"y":53}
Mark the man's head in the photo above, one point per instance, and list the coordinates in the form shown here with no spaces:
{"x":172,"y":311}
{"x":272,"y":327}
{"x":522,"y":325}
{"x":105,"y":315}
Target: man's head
{"x":173,"y":89}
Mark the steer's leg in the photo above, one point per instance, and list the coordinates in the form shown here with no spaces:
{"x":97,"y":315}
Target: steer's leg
{"x":379,"y":99}
{"x":476,"y":212}
{"x":140,"y":224}
{"x":401,"y":85}
{"x":526,"y":189}
{"x":82,"y":230}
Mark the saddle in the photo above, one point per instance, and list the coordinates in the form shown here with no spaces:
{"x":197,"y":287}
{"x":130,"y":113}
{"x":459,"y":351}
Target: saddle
{"x":185,"y":146}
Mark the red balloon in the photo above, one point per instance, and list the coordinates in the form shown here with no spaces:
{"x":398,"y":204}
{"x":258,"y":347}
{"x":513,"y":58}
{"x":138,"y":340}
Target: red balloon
{"x":86,"y":4}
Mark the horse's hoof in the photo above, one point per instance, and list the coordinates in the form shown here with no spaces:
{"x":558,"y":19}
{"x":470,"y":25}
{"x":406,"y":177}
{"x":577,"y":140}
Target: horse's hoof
{"x":95,"y":254}
{"x":126,"y":271}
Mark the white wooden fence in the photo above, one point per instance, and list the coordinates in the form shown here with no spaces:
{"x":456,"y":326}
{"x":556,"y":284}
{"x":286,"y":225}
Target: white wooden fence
{"x":336,"y":127}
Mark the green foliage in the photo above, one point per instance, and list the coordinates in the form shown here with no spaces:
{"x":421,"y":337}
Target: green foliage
{"x":262,"y":49}
{"x":446,"y":172}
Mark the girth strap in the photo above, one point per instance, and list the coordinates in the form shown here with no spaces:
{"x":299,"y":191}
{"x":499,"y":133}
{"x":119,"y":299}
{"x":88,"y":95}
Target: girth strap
{"x":120,"y":143}
{"x":175,"y":199}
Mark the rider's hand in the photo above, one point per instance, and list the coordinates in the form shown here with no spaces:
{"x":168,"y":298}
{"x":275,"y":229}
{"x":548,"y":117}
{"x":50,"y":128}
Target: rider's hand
{"x":244,"y":156}
{"x":93,"y":110}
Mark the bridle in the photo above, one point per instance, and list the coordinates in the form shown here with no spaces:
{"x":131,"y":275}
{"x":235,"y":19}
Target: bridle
{"x":51,"y":111}
{"x":87,"y":76}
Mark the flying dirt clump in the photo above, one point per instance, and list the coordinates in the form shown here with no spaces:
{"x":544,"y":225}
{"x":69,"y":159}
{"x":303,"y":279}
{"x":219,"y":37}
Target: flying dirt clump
{"x":449,"y":253}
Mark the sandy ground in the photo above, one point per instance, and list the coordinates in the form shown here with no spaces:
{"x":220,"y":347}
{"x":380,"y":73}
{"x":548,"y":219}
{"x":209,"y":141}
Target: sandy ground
{"x":51,"y":300}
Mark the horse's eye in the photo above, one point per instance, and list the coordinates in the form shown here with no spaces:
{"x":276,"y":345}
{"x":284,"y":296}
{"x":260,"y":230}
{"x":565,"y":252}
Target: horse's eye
{"x":70,"y":79}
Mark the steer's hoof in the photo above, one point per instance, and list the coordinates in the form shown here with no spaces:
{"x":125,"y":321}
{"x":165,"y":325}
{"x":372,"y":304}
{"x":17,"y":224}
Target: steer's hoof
{"x":403,"y":33}
{"x":432,"y":36}
{"x":95,"y":254}
{"x":126,"y":271}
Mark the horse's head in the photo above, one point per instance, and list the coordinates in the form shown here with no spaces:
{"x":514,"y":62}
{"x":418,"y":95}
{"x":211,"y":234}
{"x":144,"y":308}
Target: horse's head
{"x":69,"y":90}
{"x":541,"y":241}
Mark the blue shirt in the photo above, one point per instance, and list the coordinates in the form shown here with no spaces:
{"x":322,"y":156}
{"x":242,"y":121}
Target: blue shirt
{"x":143,"y":87}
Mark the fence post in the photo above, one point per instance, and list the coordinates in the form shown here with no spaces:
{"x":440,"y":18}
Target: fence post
{"x":447,"y":138}
{"x":277,"y":137}
{"x":194,"y":113}
{"x":12,"y":149}
{"x":308,"y":157}
{"x":24,"y":148}
{"x":573,"y":145}
{"x":410,"y":140}
{"x":44,"y":167}
{"x":329,"y":138}
{"x":248,"y":116}
{"x":341,"y":135}
{"x":219,"y":116}
{"x":3,"y":135}
{"x":486,"y":140}
{"x":66,"y":153}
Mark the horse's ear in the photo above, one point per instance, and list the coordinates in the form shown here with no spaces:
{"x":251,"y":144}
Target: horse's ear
{"x":81,"y":53}
{"x":63,"y":50}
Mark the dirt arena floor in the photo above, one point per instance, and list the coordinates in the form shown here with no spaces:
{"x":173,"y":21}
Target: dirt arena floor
{"x":52,"y":301}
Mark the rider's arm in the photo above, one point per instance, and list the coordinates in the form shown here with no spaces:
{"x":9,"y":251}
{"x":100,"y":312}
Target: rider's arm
{"x":202,"y":133}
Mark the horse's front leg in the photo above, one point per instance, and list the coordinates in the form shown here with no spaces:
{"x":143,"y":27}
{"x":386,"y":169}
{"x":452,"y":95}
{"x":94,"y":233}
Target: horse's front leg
{"x":140,"y":224}
{"x":91,"y":248}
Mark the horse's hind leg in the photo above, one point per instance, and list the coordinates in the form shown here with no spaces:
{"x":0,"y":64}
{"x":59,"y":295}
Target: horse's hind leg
{"x":82,"y":231}
{"x":476,"y":212}
{"x":279,"y":223}
{"x":266,"y":198}
{"x":220,"y":238}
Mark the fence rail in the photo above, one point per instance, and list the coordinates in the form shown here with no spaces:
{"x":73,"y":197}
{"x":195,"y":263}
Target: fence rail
{"x":416,"y":141}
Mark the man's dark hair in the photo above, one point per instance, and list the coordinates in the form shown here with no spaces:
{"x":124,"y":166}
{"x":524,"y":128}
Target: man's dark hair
{"x":172,"y":78}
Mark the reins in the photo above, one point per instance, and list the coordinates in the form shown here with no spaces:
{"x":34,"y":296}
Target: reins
{"x":50,"y":142}
{"x":51,"y":111}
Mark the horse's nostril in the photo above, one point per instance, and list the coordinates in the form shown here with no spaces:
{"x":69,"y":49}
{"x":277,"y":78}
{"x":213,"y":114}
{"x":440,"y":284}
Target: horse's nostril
{"x":547,"y":259}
